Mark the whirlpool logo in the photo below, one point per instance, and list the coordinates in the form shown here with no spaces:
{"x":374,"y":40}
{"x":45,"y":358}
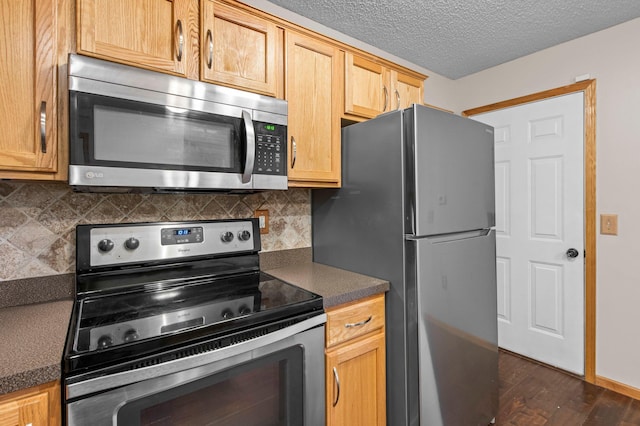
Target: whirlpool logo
{"x":94,"y":175}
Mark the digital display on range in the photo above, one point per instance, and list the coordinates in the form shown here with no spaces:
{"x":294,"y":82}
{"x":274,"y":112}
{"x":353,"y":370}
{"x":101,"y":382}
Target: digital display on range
{"x":171,"y":236}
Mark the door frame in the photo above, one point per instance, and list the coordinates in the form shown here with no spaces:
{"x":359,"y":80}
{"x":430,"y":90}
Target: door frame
{"x":589,"y":89}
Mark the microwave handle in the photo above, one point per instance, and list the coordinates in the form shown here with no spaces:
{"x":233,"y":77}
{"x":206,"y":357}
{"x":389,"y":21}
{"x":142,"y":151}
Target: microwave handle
{"x":250,"y":147}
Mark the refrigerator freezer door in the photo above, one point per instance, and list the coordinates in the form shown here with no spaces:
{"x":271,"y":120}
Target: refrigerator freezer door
{"x":450,"y":165}
{"x":457,"y":328}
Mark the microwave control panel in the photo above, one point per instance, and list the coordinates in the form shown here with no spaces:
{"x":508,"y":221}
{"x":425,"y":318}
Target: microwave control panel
{"x":271,"y":150}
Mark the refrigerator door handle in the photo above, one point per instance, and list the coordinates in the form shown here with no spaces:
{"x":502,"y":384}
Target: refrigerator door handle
{"x":455,"y":236}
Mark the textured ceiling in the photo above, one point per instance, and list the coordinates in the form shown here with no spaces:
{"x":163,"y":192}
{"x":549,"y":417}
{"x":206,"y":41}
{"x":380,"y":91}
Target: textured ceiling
{"x":456,"y":38}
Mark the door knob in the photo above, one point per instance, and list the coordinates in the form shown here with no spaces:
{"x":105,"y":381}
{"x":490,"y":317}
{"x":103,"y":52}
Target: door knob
{"x":571,"y":253}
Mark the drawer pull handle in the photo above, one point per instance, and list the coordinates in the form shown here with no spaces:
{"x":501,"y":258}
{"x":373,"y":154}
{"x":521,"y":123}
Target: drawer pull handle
{"x":337,"y":380}
{"x":359,"y":324}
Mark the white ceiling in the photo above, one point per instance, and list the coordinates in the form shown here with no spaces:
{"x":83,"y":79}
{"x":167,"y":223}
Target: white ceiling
{"x":456,"y":38}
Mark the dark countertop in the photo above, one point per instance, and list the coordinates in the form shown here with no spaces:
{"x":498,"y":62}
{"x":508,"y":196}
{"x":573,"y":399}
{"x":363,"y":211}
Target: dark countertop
{"x":31,"y":343}
{"x":32,"y":336}
{"x":336,"y":286}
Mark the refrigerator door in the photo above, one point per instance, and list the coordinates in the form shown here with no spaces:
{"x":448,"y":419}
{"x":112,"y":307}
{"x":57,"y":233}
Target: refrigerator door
{"x":456,"y":328}
{"x":450,"y":177}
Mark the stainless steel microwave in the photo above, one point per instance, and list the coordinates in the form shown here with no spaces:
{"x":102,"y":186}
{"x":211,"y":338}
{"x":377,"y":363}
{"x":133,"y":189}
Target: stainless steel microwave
{"x":137,"y":130}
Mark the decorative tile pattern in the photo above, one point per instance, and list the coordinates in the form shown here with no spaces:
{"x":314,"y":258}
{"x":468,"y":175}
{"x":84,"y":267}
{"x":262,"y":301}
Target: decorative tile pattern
{"x":38,"y":220}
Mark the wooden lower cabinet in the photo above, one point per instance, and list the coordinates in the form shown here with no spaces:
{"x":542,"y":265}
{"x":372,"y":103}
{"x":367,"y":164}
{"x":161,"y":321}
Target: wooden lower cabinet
{"x":355,"y":364}
{"x":37,"y":406}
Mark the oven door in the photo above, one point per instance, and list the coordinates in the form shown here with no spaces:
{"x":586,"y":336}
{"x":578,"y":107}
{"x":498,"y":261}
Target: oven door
{"x":277,"y":379}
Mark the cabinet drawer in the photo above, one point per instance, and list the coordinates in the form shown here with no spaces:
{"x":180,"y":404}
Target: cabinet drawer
{"x":354,"y":320}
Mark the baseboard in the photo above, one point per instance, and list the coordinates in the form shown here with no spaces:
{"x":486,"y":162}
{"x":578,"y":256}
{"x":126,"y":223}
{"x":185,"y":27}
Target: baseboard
{"x":627,"y":390}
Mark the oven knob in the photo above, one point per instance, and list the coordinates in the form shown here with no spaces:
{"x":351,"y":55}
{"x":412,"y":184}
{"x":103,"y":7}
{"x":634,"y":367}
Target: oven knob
{"x":244,"y":310}
{"x":132,"y":243}
{"x":105,"y":341}
{"x":244,"y":235}
{"x":226,"y":237}
{"x":130,"y":335}
{"x":105,"y":245}
{"x":227,"y":314}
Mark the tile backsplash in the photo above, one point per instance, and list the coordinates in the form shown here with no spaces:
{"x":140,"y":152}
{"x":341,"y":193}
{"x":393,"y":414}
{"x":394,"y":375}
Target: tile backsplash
{"x":37,"y":220}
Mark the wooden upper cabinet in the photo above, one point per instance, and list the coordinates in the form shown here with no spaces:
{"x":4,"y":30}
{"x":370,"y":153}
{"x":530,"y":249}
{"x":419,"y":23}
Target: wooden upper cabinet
{"x":406,"y":90}
{"x":238,"y":49}
{"x":160,"y":35}
{"x":366,"y":86}
{"x":371,"y":88}
{"x":28,"y":113}
{"x":313,"y":84}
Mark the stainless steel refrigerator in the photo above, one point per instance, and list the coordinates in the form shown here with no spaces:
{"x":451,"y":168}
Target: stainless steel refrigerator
{"x":416,"y":208}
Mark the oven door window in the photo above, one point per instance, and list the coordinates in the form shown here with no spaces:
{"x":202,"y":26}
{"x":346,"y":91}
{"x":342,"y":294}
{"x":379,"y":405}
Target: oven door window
{"x":265,"y":391}
{"x":117,"y":132}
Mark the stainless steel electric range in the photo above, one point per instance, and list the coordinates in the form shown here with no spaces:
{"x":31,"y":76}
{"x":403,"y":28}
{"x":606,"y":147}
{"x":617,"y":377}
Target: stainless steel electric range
{"x":175,"y":324}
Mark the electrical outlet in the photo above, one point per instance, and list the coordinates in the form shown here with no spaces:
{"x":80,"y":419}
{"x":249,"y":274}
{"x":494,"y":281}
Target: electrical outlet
{"x":263,"y":218}
{"x":609,"y":224}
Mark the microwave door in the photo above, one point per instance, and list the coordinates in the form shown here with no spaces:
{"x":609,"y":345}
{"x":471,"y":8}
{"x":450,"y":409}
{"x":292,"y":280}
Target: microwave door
{"x":250,"y":146}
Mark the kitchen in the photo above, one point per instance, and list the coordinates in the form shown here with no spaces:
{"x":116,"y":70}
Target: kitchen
{"x":46,"y":213}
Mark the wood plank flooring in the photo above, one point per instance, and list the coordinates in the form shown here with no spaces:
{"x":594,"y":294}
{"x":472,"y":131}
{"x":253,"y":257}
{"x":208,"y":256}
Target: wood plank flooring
{"x":533,"y":394}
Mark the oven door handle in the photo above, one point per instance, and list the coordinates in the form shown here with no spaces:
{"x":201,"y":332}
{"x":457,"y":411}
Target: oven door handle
{"x":111,"y":381}
{"x":250,"y":146}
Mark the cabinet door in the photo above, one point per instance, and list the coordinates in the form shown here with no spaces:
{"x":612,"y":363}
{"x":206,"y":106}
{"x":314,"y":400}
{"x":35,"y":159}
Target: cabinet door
{"x":314,"y":118}
{"x":32,"y":410}
{"x":238,"y":49}
{"x":406,"y":90}
{"x":356,"y":393}
{"x":28,"y":95}
{"x":161,"y":35}
{"x":366,"y":87}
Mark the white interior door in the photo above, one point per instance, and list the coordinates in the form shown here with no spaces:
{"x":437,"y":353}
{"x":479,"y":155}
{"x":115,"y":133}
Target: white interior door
{"x":539,"y":218}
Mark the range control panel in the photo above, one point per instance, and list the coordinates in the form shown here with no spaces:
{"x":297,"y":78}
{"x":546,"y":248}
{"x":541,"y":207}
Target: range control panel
{"x":271,"y":153}
{"x":105,"y":245}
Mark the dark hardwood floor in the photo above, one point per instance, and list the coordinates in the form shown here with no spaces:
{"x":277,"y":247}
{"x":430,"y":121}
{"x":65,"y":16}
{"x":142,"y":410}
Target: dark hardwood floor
{"x":533,"y":394}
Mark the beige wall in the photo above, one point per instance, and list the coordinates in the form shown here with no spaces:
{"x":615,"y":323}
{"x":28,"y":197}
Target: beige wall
{"x":611,"y":57}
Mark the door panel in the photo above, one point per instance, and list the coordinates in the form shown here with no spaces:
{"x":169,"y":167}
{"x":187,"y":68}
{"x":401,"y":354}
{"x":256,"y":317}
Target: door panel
{"x":539,"y":216}
{"x":454,"y":173}
{"x":314,"y":131}
{"x":154,"y":34}
{"x":238,"y":49}
{"x":457,"y":330}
